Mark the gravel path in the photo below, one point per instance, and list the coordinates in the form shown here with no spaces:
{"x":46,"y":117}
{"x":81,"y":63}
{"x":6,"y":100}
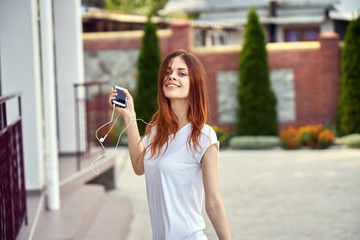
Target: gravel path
{"x":275,"y":195}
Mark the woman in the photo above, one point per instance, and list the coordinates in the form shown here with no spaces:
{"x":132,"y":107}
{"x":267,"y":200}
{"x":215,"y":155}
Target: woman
{"x":178,"y":153}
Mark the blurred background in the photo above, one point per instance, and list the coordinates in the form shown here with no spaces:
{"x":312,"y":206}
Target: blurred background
{"x":293,"y":64}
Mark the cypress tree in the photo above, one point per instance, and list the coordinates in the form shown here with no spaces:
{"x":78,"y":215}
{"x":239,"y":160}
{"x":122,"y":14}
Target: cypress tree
{"x":348,"y":115}
{"x":257,"y":102}
{"x":145,"y":99}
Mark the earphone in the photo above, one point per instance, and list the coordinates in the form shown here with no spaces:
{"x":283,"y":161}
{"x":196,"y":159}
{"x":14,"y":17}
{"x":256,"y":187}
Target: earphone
{"x":101,"y":140}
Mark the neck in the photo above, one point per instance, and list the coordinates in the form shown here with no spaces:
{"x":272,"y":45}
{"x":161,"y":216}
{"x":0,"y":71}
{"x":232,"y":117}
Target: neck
{"x":180,"y":108}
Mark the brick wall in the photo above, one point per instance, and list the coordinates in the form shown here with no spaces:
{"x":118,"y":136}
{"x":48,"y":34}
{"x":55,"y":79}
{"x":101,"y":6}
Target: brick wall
{"x":213,"y":63}
{"x":316,"y":67}
{"x":305,"y":64}
{"x":329,"y":75}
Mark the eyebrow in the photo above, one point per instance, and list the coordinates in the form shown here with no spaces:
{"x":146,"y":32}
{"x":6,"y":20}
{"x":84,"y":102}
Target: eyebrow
{"x":178,"y":68}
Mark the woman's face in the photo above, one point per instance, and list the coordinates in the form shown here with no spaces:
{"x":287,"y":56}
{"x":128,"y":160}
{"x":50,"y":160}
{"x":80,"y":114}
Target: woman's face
{"x":176,"y":83}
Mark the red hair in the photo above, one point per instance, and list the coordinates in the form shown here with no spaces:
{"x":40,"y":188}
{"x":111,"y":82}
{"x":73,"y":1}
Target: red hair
{"x":164,"y":119}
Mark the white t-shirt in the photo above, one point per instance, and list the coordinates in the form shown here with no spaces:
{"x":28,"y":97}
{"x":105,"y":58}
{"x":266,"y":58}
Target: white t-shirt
{"x":175,"y":188}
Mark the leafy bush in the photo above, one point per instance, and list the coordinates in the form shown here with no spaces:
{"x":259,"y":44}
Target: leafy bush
{"x":312,"y":136}
{"x":290,"y":138}
{"x":222,"y":135}
{"x":348,"y":114}
{"x":351,"y":140}
{"x":114,"y":135}
{"x":145,"y":99}
{"x":257,"y":113}
{"x":254,"y":142}
{"x":325,"y":139}
{"x":135,"y":6}
{"x":113,"y":132}
{"x":309,"y":134}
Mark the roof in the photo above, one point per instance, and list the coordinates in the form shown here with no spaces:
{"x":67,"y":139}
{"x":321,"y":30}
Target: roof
{"x":118,"y":17}
{"x":234,"y":12}
{"x":294,"y":20}
{"x":216,"y":25}
{"x":343,"y":15}
{"x":238,"y":23}
{"x":189,"y":6}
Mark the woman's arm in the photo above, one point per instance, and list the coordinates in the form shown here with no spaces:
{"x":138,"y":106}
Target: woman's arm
{"x":213,"y":203}
{"x":136,"y":148}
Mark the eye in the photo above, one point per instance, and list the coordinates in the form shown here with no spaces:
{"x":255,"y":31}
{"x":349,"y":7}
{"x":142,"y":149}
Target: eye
{"x":182,"y":74}
{"x":168,"y":70}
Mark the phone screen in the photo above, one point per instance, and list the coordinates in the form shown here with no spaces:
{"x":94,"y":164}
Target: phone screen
{"x":120,"y":98}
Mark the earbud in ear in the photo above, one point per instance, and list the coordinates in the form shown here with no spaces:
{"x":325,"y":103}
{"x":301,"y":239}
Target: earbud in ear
{"x":102,"y":139}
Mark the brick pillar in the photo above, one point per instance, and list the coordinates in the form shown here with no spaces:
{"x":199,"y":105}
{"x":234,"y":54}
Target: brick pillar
{"x":329,"y":75}
{"x":182,"y":37}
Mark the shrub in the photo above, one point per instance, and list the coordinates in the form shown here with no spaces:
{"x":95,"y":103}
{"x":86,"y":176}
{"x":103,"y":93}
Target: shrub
{"x":312,"y":136}
{"x":222,"y":135}
{"x":114,"y":134}
{"x":145,"y":99}
{"x":309,"y":134}
{"x":134,"y":6}
{"x":257,"y":102}
{"x":290,"y":138}
{"x":114,"y":137}
{"x":351,"y":140}
{"x":254,"y":142}
{"x":348,"y":114}
{"x":324,"y":139}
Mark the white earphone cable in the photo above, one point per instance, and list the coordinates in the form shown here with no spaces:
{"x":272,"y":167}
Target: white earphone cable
{"x":94,"y":163}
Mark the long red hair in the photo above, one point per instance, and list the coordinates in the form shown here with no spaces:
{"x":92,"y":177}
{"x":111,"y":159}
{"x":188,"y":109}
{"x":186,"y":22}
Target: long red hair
{"x":164,"y":120}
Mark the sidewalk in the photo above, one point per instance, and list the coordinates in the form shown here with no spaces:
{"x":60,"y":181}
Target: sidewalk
{"x":275,"y":194}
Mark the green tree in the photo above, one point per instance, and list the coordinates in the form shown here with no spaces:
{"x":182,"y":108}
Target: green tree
{"x":148,"y":64}
{"x":348,"y":114}
{"x":156,"y":5}
{"x":135,"y":6}
{"x":257,"y":102}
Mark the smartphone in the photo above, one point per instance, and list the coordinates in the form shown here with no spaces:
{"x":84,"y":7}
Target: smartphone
{"x":120,"y":100}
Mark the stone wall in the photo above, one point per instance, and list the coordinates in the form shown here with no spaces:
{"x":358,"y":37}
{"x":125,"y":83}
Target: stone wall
{"x":282,"y":83}
{"x":115,"y":66}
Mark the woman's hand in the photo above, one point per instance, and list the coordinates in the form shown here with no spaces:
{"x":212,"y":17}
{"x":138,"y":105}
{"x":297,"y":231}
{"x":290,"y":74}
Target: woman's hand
{"x":213,"y":203}
{"x":128,"y":113}
{"x":136,"y":147}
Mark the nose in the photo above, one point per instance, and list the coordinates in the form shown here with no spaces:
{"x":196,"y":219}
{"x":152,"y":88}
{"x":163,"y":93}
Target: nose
{"x":172,"y":76}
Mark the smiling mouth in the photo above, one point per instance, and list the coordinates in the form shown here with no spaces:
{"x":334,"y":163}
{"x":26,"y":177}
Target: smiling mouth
{"x":171,"y":85}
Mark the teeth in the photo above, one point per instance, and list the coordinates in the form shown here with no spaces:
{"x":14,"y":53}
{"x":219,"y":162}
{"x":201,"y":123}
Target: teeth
{"x":171,"y":85}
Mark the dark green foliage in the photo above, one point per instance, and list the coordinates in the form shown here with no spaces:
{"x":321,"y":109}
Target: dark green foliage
{"x":148,"y":64}
{"x":157,"y":5}
{"x":257,"y":102}
{"x":125,"y":5}
{"x":135,"y":6}
{"x":348,"y":115}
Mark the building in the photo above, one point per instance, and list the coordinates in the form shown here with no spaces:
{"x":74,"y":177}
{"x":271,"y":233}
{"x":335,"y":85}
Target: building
{"x":47,"y":61}
{"x":283,"y":21}
{"x":44,"y":127}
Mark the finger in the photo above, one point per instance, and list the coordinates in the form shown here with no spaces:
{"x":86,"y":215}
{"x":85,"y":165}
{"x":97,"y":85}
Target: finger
{"x":127,"y":94}
{"x":112,"y":90}
{"x":112,"y":96}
